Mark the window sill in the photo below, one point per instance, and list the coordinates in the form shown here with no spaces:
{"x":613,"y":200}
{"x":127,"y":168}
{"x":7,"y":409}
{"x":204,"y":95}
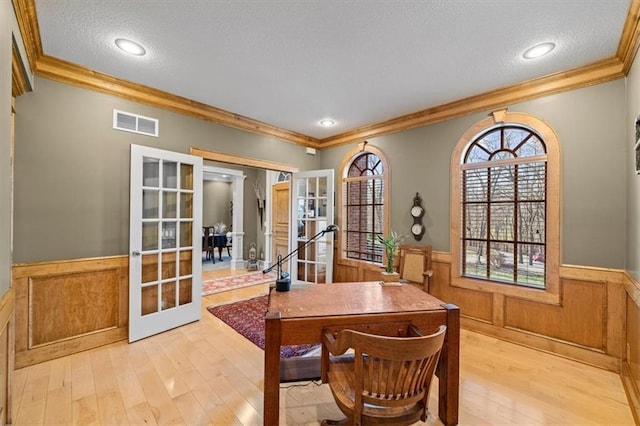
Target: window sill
{"x":548,"y":295}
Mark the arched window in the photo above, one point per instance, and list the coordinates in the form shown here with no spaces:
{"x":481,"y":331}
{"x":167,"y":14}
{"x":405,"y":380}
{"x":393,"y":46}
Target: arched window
{"x":506,"y":202}
{"x":364,"y":204}
{"x":283,"y":177}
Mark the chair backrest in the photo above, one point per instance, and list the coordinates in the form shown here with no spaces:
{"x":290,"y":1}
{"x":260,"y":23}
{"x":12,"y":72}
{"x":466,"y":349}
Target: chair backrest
{"x":415,"y":261}
{"x":393,"y":371}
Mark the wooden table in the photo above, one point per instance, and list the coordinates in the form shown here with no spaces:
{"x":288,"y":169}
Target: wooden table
{"x":299,"y":316}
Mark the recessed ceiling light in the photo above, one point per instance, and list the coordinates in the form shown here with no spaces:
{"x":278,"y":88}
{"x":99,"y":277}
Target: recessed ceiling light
{"x":131,"y":47}
{"x":327,"y":122}
{"x":538,"y":50}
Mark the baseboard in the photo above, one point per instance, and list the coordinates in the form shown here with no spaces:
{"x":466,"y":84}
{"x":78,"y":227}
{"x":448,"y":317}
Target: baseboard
{"x":630,"y":388}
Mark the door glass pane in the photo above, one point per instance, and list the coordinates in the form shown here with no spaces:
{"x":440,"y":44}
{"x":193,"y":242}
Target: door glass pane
{"x":322,"y":273}
{"x":186,"y":176}
{"x":149,"y":204}
{"x":311,"y":187}
{"x":168,"y":235}
{"x":168,"y":295}
{"x":168,"y":265}
{"x":149,"y":268}
{"x":169,"y":204}
{"x":149,"y":236}
{"x":150,"y":172}
{"x":321,"y":251}
{"x":186,"y":263}
{"x":185,"y":291}
{"x":149,"y":300}
{"x":169,"y":174}
{"x":186,"y":235}
{"x":186,"y":205}
{"x":302,"y":187}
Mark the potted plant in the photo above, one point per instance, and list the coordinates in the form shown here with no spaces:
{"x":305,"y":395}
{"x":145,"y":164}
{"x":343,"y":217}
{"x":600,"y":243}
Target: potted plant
{"x":391,"y":244}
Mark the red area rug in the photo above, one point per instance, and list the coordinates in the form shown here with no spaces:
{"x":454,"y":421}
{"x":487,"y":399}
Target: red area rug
{"x":247,"y":318}
{"x":232,"y":282}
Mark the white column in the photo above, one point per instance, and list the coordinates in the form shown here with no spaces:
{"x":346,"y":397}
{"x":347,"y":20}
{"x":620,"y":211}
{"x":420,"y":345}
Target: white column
{"x":237,"y":260}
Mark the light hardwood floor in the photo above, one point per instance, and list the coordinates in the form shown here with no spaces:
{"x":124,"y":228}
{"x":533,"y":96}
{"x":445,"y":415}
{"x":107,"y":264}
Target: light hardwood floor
{"x":205,"y":373}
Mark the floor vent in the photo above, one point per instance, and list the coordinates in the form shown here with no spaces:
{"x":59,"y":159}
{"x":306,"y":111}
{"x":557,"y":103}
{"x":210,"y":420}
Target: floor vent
{"x":135,"y":123}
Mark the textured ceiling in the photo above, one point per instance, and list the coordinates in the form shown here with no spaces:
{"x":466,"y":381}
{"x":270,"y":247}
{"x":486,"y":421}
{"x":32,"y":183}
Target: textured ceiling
{"x":292,"y":63}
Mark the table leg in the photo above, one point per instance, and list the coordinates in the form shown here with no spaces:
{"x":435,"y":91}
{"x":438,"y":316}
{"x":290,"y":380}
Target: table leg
{"x":273,"y":334}
{"x":449,"y":369}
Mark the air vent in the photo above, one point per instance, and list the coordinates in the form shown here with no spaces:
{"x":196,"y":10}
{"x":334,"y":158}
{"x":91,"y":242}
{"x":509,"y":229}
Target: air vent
{"x":135,"y":123}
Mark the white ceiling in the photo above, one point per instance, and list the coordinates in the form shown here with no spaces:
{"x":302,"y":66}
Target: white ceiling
{"x":293,"y":63}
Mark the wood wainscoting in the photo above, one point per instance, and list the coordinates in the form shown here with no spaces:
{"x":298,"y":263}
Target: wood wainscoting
{"x":631,"y":360}
{"x":587,"y":325}
{"x":65,"y":307}
{"x":7,"y":308}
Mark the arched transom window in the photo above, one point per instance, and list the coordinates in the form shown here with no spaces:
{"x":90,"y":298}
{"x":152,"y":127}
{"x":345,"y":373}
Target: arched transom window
{"x":363,"y":206}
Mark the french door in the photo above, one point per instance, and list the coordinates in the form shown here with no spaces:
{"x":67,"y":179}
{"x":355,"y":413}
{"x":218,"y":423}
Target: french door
{"x":312,"y":201}
{"x":165,"y":241}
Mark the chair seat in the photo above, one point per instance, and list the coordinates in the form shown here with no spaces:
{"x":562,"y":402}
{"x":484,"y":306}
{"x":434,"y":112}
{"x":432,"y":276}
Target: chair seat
{"x":341,"y":379}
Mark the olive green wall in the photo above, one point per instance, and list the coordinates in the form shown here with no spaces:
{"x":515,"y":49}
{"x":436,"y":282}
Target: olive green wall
{"x":633,"y":179}
{"x":72,"y":168}
{"x":591,"y":124}
{"x":6,"y":17}
{"x":216,"y":203}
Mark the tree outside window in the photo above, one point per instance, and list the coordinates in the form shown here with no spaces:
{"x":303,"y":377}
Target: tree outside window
{"x":503,"y":205}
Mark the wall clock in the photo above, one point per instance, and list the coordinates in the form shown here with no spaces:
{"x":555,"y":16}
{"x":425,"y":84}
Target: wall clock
{"x":417,"y":212}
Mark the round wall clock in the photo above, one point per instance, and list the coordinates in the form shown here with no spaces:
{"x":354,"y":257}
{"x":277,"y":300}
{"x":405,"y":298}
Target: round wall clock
{"x":417,"y":211}
{"x":417,"y":230}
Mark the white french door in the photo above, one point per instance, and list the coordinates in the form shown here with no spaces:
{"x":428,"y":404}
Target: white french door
{"x":165,"y":241}
{"x":312,"y":204}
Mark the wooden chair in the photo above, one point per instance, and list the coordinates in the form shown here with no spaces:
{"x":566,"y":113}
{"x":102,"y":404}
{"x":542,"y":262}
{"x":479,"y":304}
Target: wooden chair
{"x":388,"y":379}
{"x":415,"y":265}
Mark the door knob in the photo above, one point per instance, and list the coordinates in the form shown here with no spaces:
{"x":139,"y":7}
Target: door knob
{"x":136,"y":253}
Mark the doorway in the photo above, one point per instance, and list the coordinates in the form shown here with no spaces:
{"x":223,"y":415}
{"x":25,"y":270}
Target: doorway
{"x":241,"y":204}
{"x":222,"y":213}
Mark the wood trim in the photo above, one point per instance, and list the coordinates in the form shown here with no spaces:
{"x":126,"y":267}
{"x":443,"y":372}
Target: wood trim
{"x":599,"y":72}
{"x":19,"y":82}
{"x":67,"y":72}
{"x":633,"y":394}
{"x":632,"y":287}
{"x":386,"y":225}
{"x":616,"y":285}
{"x":7,"y":359}
{"x":628,"y":46}
{"x":553,"y":238}
{"x":93,"y":272}
{"x":7,"y":307}
{"x":25,"y":270}
{"x":28,"y":23}
{"x":596,"y":73}
{"x":242,"y":161}
{"x":545,"y":344}
{"x":591,"y":273}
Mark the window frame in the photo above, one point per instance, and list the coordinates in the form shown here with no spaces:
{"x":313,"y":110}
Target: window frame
{"x":551,"y":293}
{"x":346,"y":163}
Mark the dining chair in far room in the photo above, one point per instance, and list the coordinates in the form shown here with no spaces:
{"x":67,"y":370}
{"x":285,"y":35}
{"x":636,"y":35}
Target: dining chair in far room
{"x":208,"y":242}
{"x":386,"y":381}
{"x":415,"y":265}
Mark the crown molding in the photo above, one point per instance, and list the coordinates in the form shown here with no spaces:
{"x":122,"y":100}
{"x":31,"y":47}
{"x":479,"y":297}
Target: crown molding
{"x":599,"y":72}
{"x":66,"y":72}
